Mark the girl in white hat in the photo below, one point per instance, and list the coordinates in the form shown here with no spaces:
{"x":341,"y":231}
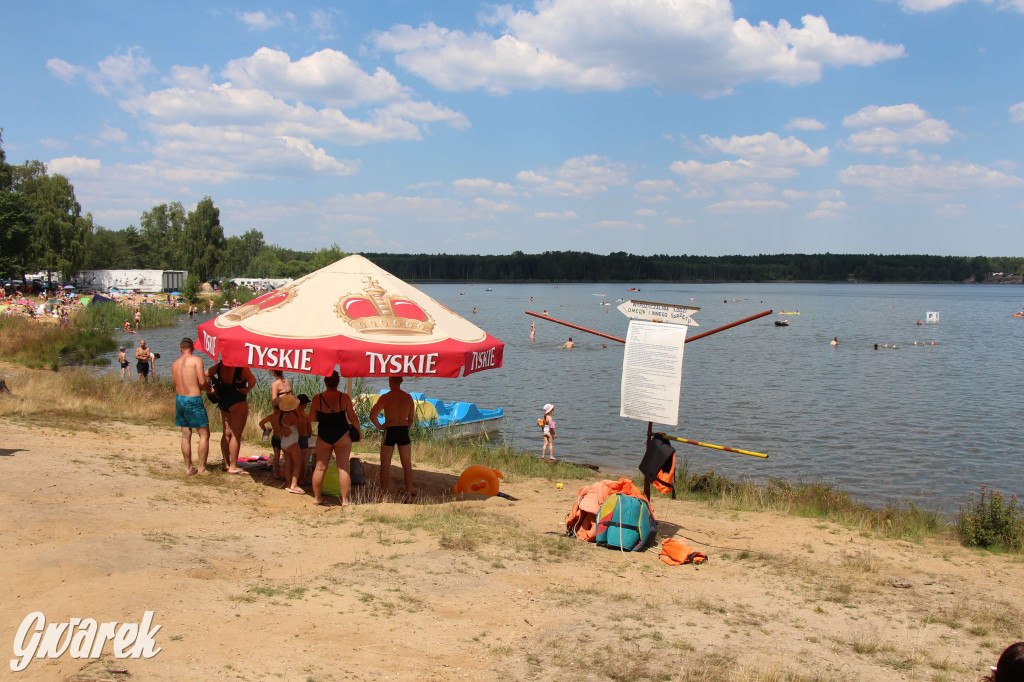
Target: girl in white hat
{"x":548,"y":422}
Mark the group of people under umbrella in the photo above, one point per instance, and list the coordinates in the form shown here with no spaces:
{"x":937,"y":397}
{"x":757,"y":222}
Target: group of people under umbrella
{"x":350,"y":316}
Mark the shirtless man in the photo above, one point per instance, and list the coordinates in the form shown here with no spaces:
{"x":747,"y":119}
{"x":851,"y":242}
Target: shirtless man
{"x":568,"y":344}
{"x":142,"y":362}
{"x":138,"y":320}
{"x":189,"y":411}
{"x":125,"y":365}
{"x":399,"y":414}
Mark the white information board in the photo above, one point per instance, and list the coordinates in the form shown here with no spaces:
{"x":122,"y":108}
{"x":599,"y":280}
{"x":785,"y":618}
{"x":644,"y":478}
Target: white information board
{"x":652,"y":372}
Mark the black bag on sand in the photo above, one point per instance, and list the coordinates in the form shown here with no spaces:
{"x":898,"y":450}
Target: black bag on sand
{"x":355,"y":471}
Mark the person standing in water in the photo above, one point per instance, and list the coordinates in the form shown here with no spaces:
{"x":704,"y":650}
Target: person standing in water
{"x":125,"y":365}
{"x":548,"y":423}
{"x":533,"y":330}
{"x":142,"y":357}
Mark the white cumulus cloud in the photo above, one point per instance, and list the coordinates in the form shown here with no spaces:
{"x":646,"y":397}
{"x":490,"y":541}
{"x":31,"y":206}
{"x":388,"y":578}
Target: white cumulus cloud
{"x":655,"y":187}
{"x":927,"y":181}
{"x":75,"y":167}
{"x":804,"y":124}
{"x":262,"y":20}
{"x":616,"y":225}
{"x":727,"y":171}
{"x":768,"y":149}
{"x":119,"y":73}
{"x":62,"y":69}
{"x":494,"y":206}
{"x":694,"y":46}
{"x":933,"y":5}
{"x":483,"y":186}
{"x":951,"y":210}
{"x":747,"y":206}
{"x":827,"y":210}
{"x":1017,"y":113}
{"x":327,"y":76}
{"x":580,"y":176}
{"x":887,"y":130}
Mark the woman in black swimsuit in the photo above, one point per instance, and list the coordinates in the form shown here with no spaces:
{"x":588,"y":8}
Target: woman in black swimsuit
{"x":333,"y":411}
{"x":234,"y":385}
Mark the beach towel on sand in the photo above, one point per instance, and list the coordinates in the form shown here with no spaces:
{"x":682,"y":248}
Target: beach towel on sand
{"x":582,"y":519}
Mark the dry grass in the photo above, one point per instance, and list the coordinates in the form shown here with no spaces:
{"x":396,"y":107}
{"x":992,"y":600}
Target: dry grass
{"x":80,"y":395}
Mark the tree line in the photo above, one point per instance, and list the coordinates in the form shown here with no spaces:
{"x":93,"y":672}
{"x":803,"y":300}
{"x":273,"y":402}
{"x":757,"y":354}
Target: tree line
{"x":577,"y":266}
{"x":42,"y":227}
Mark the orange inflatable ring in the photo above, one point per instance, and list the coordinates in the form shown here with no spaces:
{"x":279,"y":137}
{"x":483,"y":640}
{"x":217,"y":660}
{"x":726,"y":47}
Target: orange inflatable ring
{"x":479,"y":480}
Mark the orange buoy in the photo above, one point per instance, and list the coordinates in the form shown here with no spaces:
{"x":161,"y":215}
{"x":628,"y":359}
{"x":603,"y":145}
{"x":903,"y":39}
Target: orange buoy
{"x":479,"y":480}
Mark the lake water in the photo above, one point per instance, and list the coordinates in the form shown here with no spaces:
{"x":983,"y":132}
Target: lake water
{"x":926,"y":423}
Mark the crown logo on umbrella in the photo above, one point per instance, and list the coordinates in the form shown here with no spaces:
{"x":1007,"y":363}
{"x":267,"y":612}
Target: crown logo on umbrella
{"x":378,"y":312}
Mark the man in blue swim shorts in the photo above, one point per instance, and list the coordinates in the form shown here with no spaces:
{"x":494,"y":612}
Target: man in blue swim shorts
{"x":399,"y":414}
{"x":189,"y":411}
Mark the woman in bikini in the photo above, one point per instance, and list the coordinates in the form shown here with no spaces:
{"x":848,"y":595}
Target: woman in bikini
{"x":333,"y":411}
{"x":280,"y":387}
{"x":232,"y":385}
{"x":290,"y":427}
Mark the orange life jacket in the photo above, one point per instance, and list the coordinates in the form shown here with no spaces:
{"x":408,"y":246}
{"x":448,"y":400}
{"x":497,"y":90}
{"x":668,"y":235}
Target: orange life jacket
{"x":582,"y":520}
{"x":665,"y":481}
{"x":675,"y":552}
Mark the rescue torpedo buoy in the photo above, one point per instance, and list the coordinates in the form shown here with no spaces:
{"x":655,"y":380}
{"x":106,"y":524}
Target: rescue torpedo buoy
{"x":479,"y":480}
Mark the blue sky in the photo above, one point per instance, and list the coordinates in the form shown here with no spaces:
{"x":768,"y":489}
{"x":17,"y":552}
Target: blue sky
{"x":648,"y":126}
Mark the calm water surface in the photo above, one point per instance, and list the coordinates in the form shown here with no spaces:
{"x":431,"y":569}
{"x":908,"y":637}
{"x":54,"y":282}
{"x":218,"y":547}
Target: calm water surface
{"x":927,"y":423}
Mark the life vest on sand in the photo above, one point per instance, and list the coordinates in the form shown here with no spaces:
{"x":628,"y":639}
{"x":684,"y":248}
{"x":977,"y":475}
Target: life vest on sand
{"x":675,"y":552}
{"x":582,"y":520}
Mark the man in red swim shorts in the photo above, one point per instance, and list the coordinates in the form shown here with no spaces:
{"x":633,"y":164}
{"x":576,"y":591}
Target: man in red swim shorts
{"x":399,"y":414}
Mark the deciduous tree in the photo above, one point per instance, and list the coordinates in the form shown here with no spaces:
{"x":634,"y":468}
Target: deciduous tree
{"x":202,"y":243}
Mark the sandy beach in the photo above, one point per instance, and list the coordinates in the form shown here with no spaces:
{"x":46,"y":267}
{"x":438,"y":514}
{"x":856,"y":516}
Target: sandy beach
{"x":250,"y":583}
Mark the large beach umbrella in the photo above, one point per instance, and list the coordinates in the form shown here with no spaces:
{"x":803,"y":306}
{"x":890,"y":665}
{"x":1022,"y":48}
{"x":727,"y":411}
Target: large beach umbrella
{"x":355,"y":316}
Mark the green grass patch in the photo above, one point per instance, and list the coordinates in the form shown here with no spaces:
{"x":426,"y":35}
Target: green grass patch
{"x":811,"y":500}
{"x":43,"y":345}
{"x":457,"y":454}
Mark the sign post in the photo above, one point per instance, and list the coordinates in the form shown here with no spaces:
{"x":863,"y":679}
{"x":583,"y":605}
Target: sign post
{"x":652,"y":367}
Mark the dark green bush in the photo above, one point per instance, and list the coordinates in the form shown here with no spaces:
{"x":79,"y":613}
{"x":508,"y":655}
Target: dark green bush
{"x":990,"y":520}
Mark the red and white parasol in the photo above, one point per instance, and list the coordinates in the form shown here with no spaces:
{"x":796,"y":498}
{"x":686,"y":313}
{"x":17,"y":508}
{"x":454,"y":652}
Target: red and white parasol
{"x":355,"y":316}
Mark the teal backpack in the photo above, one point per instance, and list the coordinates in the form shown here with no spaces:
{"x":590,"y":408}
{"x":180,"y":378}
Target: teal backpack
{"x":625,"y":522}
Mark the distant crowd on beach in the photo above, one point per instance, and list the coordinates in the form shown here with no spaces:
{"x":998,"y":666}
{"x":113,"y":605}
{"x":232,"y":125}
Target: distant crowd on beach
{"x":57,"y":304}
